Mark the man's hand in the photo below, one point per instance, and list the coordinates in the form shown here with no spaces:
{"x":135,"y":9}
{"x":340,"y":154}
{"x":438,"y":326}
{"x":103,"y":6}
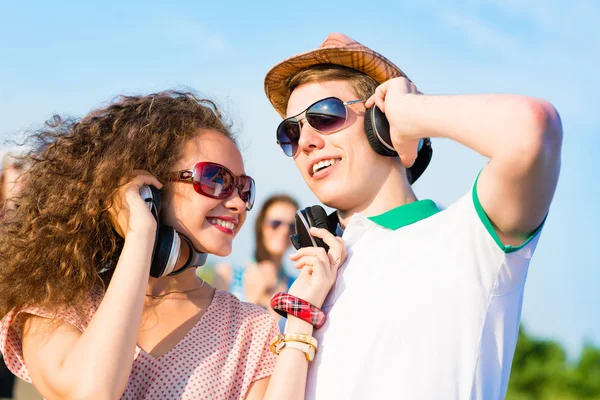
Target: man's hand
{"x":389,"y":97}
{"x":522,"y":137}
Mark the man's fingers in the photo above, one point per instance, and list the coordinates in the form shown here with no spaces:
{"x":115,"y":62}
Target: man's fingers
{"x":370,"y":101}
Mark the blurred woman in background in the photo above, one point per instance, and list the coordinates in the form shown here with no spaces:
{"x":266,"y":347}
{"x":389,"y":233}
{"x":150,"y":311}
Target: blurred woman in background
{"x":10,"y":183}
{"x":265,"y":275}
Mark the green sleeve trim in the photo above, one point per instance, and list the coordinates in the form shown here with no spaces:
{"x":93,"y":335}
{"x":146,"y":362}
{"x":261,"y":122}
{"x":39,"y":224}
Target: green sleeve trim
{"x":490,"y":228}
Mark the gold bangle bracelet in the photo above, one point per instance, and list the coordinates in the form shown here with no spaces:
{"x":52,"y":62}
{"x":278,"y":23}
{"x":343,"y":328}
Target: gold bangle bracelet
{"x":308,"y":350}
{"x":276,"y":346}
{"x":299,"y":337}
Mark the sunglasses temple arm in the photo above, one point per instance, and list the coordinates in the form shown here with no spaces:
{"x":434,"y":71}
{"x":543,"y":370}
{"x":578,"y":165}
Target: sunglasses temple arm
{"x":347,"y":103}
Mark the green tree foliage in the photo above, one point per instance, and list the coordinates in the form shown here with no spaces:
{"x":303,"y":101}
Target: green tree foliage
{"x":541,"y":371}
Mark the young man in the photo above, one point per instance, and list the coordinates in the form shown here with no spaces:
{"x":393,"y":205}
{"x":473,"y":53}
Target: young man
{"x":428,"y":303}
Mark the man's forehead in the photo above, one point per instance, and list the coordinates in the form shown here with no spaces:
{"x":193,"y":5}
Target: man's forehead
{"x":308,"y":93}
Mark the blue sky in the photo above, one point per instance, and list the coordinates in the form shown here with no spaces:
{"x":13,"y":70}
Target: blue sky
{"x":70,"y":57}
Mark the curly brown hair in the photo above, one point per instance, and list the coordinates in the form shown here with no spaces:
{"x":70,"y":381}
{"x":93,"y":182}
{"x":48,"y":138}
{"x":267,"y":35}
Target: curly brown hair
{"x":60,"y":237}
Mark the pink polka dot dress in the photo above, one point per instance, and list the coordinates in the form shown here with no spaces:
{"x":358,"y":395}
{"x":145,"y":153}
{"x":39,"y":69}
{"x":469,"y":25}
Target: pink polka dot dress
{"x":219,"y":358}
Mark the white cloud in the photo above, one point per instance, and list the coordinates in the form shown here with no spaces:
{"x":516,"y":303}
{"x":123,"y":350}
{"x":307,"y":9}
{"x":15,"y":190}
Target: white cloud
{"x":216,"y":42}
{"x":546,"y":47}
{"x":478,"y":31}
{"x":538,"y":11}
{"x":182,"y":30}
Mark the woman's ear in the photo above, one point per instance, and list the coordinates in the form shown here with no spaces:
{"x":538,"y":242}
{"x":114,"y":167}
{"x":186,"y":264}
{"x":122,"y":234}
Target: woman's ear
{"x":113,"y":212}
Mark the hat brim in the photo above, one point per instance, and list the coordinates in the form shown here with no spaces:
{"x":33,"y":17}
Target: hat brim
{"x":366,"y":61}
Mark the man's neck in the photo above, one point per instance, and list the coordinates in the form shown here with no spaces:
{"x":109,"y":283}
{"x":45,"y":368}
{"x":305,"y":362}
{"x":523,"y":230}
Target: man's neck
{"x":395,"y":192}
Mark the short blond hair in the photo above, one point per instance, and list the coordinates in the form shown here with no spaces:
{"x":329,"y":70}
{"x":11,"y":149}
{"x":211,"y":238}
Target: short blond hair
{"x":364,"y":86}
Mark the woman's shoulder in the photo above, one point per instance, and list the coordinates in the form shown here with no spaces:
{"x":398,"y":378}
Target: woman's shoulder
{"x":11,"y":327}
{"x":77,"y":314}
{"x":244,"y":323}
{"x":228,"y":300}
{"x":240,"y":311}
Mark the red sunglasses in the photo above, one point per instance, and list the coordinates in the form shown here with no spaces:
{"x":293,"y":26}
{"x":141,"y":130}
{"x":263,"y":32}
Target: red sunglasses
{"x":217,"y":182}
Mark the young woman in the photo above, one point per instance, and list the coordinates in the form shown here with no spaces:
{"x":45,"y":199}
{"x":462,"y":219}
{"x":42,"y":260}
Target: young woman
{"x":87,"y":313}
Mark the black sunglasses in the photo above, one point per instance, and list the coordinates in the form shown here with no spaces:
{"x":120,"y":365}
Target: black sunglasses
{"x":275,"y":224}
{"x":328,"y":115}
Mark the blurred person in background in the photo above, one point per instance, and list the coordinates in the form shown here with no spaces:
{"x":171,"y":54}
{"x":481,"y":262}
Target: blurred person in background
{"x":10,"y":183}
{"x":259,"y":279}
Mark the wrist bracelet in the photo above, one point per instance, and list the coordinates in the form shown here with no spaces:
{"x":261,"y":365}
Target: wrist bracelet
{"x":285,"y":304}
{"x":305,"y":343}
{"x":308,"y":350}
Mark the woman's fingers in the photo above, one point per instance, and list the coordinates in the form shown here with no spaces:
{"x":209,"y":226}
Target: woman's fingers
{"x":311,"y":254}
{"x":128,"y":210}
{"x":141,"y":177}
{"x":316,"y":266}
{"x":308,"y":251}
{"x":337,"y":249}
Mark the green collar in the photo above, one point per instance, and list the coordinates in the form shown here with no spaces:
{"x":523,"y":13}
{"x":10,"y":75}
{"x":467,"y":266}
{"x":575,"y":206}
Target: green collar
{"x":406,"y":214}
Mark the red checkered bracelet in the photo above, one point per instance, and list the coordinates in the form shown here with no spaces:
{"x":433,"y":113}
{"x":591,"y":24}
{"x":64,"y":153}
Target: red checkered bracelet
{"x":285,"y":304}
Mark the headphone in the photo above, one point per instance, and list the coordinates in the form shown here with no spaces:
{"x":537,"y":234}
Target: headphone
{"x":377,"y":129}
{"x":314,"y":216}
{"x":167,"y":245}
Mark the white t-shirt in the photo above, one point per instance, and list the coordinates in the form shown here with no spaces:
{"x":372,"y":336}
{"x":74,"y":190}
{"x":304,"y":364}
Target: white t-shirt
{"x":427,"y":309}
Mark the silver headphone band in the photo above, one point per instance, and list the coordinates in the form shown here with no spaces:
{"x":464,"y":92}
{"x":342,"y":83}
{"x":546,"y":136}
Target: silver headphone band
{"x":196,"y":258}
{"x":305,"y":223}
{"x":173,"y":254}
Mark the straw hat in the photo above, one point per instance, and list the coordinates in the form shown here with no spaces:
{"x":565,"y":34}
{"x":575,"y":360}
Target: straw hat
{"x":337,"y":49}
{"x":341,"y":50}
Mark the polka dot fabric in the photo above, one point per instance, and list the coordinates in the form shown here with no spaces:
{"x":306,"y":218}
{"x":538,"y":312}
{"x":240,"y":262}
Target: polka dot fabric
{"x":219,"y":358}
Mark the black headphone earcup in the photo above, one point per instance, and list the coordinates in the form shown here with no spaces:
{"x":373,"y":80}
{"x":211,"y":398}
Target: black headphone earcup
{"x":317,"y":217}
{"x":422,"y":161}
{"x":376,"y":127}
{"x":155,"y":197}
{"x":166,"y":252}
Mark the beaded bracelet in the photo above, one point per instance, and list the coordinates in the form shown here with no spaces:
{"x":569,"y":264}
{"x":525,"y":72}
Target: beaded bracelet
{"x":285,"y":304}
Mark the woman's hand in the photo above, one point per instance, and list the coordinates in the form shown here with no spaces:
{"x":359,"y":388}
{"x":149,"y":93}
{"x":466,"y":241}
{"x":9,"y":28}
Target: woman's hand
{"x":129,"y":212}
{"x":319,"y":269}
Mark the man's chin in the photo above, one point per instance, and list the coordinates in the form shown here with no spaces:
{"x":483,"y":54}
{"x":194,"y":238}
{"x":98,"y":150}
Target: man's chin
{"x":332,"y":198}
